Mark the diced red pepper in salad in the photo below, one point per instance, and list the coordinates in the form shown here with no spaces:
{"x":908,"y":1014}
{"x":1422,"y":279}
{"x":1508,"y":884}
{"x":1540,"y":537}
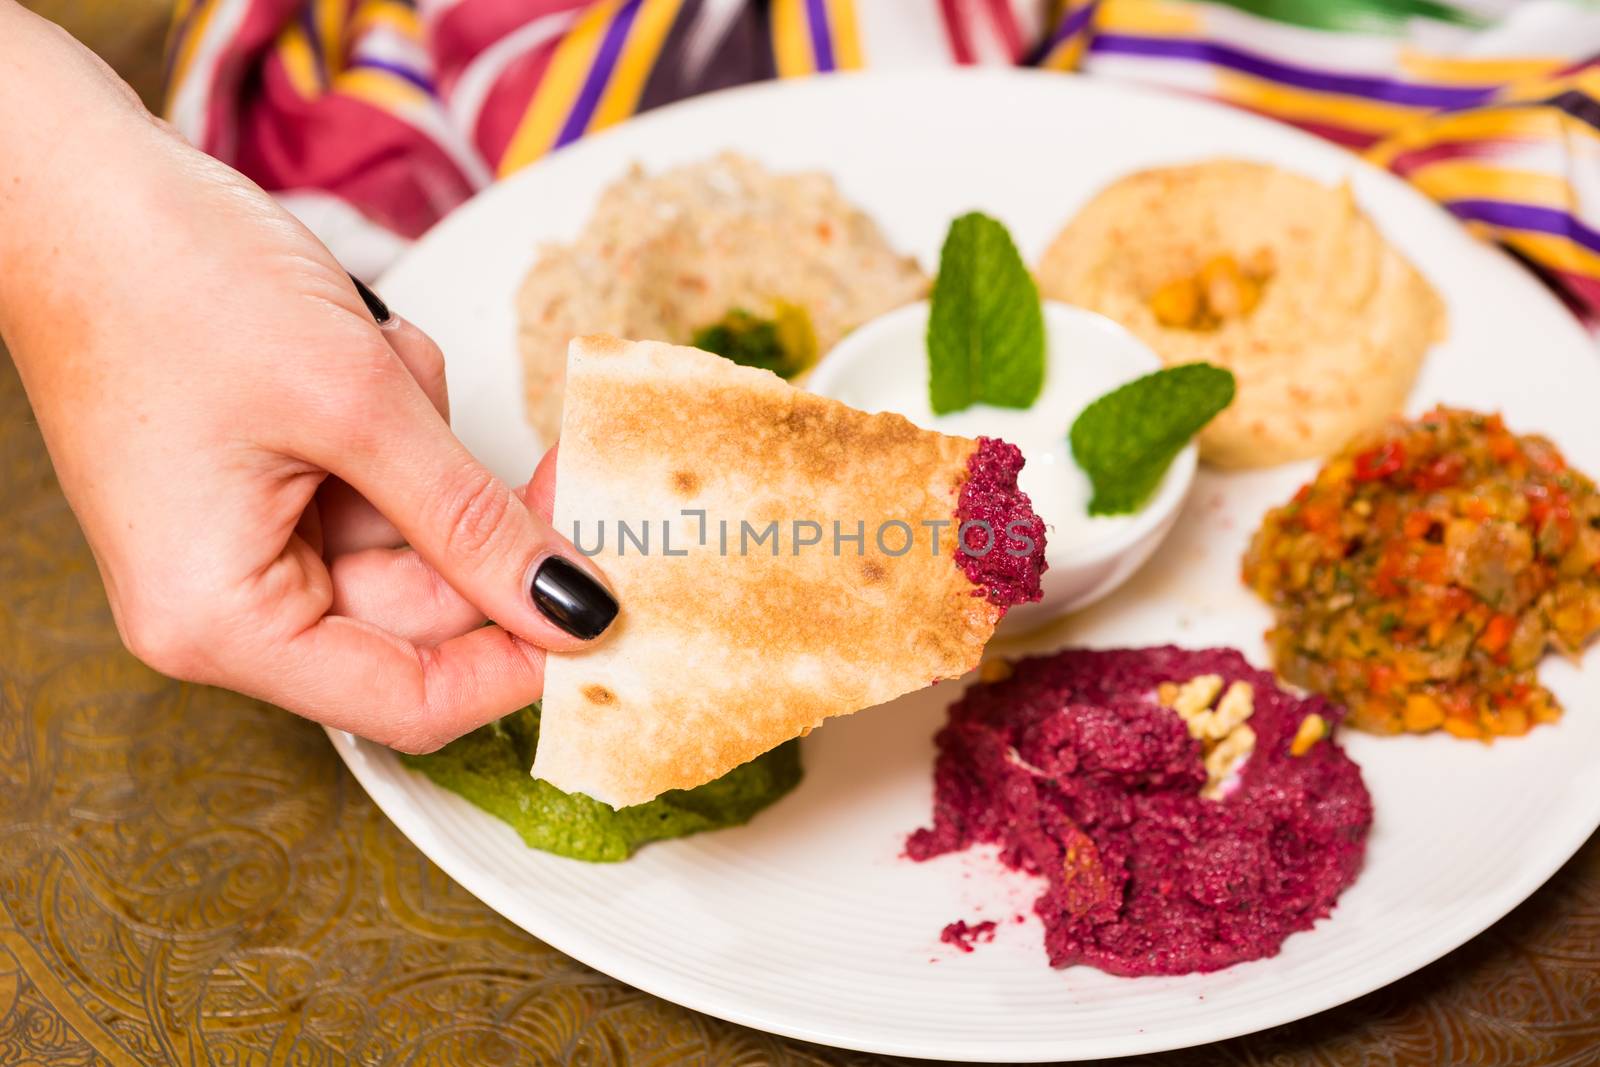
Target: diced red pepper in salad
{"x":1425,"y":571}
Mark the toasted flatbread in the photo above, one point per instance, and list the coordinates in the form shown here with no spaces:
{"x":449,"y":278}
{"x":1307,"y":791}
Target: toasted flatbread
{"x":721,"y":654}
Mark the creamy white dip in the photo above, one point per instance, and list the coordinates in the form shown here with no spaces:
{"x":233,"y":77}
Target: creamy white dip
{"x":883,"y":366}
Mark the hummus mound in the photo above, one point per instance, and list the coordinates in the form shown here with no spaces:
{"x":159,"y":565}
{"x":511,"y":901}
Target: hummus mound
{"x":1074,"y":766}
{"x":666,"y":255}
{"x":1323,"y":324}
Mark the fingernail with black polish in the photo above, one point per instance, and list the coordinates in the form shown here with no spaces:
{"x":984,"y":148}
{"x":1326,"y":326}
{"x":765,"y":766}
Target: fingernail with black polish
{"x":380,"y":310}
{"x":567,"y":596}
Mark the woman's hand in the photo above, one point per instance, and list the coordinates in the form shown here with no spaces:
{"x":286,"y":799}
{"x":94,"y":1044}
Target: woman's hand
{"x":246,"y":448}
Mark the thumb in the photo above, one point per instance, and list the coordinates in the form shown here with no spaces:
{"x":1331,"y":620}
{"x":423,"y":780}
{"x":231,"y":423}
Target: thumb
{"x":469,"y":525}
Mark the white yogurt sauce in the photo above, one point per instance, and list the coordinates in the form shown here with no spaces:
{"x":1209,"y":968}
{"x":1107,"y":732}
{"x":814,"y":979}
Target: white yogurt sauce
{"x":885,"y":368}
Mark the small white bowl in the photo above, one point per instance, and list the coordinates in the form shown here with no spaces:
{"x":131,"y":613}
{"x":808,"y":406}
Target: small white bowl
{"x":883,"y":366}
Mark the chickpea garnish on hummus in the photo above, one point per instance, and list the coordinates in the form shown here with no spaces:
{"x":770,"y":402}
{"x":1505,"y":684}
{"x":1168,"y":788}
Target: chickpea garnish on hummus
{"x":1220,"y":291}
{"x":1420,"y":578}
{"x":1274,"y":276}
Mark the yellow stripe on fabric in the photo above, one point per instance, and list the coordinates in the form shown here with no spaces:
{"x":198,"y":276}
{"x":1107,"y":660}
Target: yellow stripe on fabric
{"x":399,"y":17}
{"x":847,"y":54}
{"x":1064,"y":56}
{"x":1522,"y":124}
{"x":1584,"y":81}
{"x":791,"y":39}
{"x":1550,"y":250}
{"x":299,"y":60}
{"x":553,"y":97}
{"x":389,"y":92}
{"x":1484,"y":70}
{"x":1158,"y":17}
{"x":180,"y":14}
{"x":1280,"y":101}
{"x":190,"y":45}
{"x":329,"y":16}
{"x":1466,"y":179}
{"x":640,"y":51}
{"x":1067,"y":54}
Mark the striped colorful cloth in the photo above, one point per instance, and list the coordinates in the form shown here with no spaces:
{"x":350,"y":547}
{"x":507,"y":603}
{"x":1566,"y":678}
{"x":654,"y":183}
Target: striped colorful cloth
{"x":371,"y":119}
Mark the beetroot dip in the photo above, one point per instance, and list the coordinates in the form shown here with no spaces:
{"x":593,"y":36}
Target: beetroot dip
{"x":962,"y":934}
{"x":995,"y":551}
{"x":1081,"y":777}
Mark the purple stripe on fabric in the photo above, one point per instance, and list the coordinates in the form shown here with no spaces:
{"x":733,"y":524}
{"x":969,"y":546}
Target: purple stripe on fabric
{"x":415,"y":77}
{"x":1069,"y":26}
{"x":1526,"y":217}
{"x":821,"y":43}
{"x":309,"y":24}
{"x":605,"y":60}
{"x":1574,"y":102}
{"x":1373,"y":88}
{"x":175,"y":41}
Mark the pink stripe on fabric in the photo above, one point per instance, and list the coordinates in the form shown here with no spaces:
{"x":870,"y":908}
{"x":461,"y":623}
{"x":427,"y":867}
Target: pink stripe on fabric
{"x":957,"y":32}
{"x":462,"y":33}
{"x":374,"y":161}
{"x":257,"y":31}
{"x":1005,"y":25}
{"x":1408,"y":163}
{"x":508,"y":100}
{"x":1341,"y":135}
{"x":1579,"y":292}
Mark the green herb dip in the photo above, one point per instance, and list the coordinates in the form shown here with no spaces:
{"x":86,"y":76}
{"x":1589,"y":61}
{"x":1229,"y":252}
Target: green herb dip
{"x":783,"y":344}
{"x":490,"y":768}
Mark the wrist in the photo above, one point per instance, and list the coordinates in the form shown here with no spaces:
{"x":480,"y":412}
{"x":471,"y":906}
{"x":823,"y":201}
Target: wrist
{"x":67,"y":125}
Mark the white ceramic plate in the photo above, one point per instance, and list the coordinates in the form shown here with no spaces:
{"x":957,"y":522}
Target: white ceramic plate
{"x":806,"y":922}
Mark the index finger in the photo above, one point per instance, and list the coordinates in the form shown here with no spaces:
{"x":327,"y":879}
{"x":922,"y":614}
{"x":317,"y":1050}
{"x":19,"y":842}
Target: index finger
{"x":472,"y":527}
{"x":540,"y":492}
{"x":353,"y":676}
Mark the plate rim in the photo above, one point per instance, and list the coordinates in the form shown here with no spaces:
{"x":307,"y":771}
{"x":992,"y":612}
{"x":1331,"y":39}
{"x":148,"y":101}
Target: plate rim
{"x":361,"y":756}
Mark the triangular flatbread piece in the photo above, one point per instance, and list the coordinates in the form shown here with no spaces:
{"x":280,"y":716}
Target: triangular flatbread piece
{"x":726,"y":645}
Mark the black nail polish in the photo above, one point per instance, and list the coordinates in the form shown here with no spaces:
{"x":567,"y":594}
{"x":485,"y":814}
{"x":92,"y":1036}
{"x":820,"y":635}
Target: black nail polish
{"x":568,"y":597}
{"x":380,"y":310}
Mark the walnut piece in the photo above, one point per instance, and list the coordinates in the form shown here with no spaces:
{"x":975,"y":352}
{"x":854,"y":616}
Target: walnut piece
{"x":1224,"y":737}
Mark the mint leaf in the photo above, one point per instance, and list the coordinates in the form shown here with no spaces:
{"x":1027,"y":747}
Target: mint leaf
{"x":986,"y":328}
{"x":1125,"y":440}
